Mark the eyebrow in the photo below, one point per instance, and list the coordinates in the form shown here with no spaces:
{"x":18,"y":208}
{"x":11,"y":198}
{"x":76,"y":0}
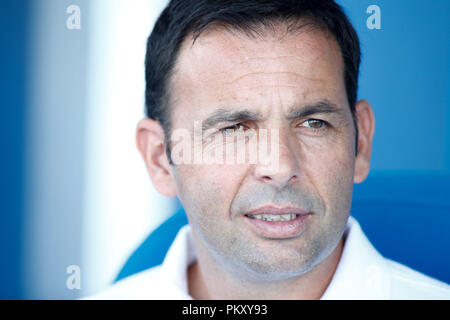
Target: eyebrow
{"x":321,"y":107}
{"x":228,"y":116}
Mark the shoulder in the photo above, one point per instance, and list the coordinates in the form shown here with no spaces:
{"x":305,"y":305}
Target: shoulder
{"x":166,"y":281}
{"x":148,"y":284}
{"x":407,"y":283}
{"x":376,"y":277}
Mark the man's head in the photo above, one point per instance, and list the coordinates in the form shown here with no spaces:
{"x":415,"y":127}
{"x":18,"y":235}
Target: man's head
{"x":285,"y":65}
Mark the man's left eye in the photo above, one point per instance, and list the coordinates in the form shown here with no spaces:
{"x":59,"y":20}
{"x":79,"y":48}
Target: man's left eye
{"x":313,"y":123}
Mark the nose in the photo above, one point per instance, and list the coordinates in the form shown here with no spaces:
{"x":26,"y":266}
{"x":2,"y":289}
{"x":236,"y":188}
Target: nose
{"x":282,"y":172}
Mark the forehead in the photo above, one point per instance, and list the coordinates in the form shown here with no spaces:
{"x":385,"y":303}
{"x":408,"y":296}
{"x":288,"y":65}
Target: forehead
{"x":226,"y":66}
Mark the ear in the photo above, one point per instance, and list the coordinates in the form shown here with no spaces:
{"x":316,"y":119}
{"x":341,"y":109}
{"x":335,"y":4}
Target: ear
{"x":366,"y":127}
{"x":150,"y":142}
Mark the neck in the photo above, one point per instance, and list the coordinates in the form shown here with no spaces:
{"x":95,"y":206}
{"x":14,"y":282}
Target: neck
{"x":207,"y":280}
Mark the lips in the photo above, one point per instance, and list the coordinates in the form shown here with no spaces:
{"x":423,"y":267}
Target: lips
{"x":277,"y":223}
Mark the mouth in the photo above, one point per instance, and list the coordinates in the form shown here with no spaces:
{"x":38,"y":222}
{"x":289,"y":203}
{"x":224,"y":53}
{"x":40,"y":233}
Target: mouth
{"x":277,"y":223}
{"x":273,"y":217}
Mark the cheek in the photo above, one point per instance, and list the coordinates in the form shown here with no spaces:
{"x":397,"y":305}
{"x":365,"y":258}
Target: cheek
{"x":206,"y":193}
{"x":330,"y":168}
{"x":202,"y":188}
{"x":333,"y":163}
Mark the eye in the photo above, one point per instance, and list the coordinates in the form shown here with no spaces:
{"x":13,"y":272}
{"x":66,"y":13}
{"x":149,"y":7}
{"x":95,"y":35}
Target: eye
{"x":314,"y":123}
{"x":238,"y":127}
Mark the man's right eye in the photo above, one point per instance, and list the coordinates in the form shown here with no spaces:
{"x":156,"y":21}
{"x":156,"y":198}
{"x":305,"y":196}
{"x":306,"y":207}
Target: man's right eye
{"x":238,"y":127}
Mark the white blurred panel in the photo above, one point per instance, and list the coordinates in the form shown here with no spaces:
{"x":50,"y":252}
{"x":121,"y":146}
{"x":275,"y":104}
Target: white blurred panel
{"x":120,"y":204}
{"x":54,"y":149}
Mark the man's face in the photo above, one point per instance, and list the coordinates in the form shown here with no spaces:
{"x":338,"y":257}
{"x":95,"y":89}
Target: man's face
{"x":277,"y":79}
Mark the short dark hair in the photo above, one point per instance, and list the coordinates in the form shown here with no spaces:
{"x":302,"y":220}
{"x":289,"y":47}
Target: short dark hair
{"x":183,"y":17}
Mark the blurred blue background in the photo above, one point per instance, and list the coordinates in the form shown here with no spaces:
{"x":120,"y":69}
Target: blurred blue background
{"x":65,"y":95}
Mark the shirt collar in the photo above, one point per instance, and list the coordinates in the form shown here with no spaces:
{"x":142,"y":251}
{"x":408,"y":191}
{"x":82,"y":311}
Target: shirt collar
{"x":361,"y":272}
{"x":179,"y":257}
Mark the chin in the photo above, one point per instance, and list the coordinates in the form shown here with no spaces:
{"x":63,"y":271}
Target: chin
{"x":261,"y":267}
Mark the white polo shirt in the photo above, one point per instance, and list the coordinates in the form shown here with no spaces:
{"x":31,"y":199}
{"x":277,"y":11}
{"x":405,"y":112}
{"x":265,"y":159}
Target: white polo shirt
{"x":362,"y":273}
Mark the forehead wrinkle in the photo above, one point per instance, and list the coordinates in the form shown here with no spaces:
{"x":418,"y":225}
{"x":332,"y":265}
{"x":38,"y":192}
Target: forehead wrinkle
{"x":290,"y":73}
{"x":274,"y":86}
{"x":248,"y":60}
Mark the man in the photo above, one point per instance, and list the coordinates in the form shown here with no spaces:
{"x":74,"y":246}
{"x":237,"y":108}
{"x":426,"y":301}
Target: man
{"x":262,"y":230}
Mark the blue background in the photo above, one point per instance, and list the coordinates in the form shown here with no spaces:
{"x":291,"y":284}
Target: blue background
{"x":13,"y":38}
{"x":404,"y":74}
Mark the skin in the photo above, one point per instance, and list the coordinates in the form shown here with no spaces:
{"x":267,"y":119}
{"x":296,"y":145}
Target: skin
{"x":269,"y":76}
